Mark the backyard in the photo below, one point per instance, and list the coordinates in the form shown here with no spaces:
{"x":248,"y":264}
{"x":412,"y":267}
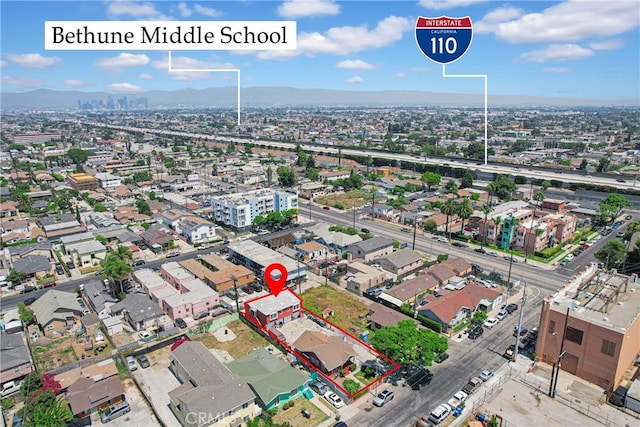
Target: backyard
{"x":245,"y":342}
{"x":347,"y":312}
{"x":294,"y":416}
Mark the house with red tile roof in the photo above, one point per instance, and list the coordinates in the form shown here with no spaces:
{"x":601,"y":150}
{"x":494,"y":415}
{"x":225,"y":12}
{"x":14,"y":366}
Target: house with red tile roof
{"x":442,"y":273}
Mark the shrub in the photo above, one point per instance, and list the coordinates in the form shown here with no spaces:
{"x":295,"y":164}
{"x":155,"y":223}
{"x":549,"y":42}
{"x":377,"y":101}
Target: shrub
{"x":351,"y":386}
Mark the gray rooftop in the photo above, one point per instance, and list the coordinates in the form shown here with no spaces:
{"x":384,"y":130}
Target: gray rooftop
{"x":29,"y":247}
{"x":262,"y":255}
{"x":99,"y":296}
{"x":56,"y":305}
{"x":402,"y":258}
{"x":32,"y":264}
{"x":13,"y":351}
{"x":374,"y":244}
{"x":139,"y":306}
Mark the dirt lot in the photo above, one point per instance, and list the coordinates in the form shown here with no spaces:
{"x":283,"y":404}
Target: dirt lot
{"x":348,"y":312}
{"x":348,"y":200}
{"x":246,"y":340}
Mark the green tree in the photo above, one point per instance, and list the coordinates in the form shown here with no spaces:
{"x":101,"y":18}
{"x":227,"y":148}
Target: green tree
{"x":486,"y":210}
{"x":449,"y":208}
{"x":504,"y":187}
{"x":116,"y":270}
{"x":302,"y":158}
{"x":259,"y":221}
{"x":99,"y":207}
{"x":466,"y":180}
{"x":351,"y":386}
{"x":465,"y":210}
{"x":100,"y":238}
{"x":479,"y":316}
{"x":78,"y":156}
{"x":26,"y":314}
{"x":430,"y":225}
{"x":15,"y":277}
{"x":405,"y":343}
{"x":452,"y":187}
{"x":143,"y":207}
{"x":431,"y":179}
{"x":286,"y":176}
{"x":612,"y":254}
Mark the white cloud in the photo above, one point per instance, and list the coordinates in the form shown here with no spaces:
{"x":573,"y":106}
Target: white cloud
{"x":346,"y":40}
{"x":123,"y":60}
{"x":184,"y":10}
{"x":448,"y":4}
{"x":490,"y":22}
{"x":75,"y":83}
{"x":130,"y":9}
{"x":354,"y":64}
{"x":606,"y":45}
{"x":559,"y":70}
{"x":33,"y":60}
{"x":400,"y":75}
{"x":355,"y":80}
{"x":194,"y":66}
{"x":145,"y":76}
{"x":557,"y":52}
{"x":123,"y":87}
{"x":3,"y":64}
{"x":206,"y":11}
{"x":571,"y":21}
{"x":302,"y":8}
{"x":26,"y":82}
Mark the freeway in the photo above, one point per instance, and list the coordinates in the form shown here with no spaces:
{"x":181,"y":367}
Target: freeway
{"x":535,"y":173}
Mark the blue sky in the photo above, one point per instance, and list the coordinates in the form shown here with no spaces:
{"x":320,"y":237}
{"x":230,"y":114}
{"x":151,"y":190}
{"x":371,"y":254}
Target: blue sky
{"x":586,"y":49}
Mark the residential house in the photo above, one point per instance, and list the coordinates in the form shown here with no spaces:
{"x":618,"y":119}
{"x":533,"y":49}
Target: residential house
{"x":83,"y":248}
{"x":401,"y":263}
{"x":274,"y":311}
{"x":327,"y":353}
{"x":337,"y":241}
{"x":410,"y":290}
{"x":311,"y":250}
{"x":33,"y":266}
{"x":333,"y":175}
{"x":65,"y":227}
{"x":196,"y":230}
{"x":124,"y":194}
{"x":460,"y":266}
{"x":56,"y":311}
{"x":381,"y":316}
{"x":273,"y":380}
{"x":172,"y":217}
{"x":87,"y":396}
{"x":99,"y":298}
{"x":451,"y":307}
{"x":591,"y":325}
{"x":15,"y":358}
{"x":38,"y":248}
{"x":20,"y":226}
{"x":442,"y":273}
{"x":219,"y":273}
{"x":100,"y":370}
{"x":361,"y":277}
{"x":192,"y":296}
{"x":313,"y":190}
{"x":8,"y":209}
{"x":138,"y":310}
{"x":385,"y":212}
{"x":108,"y":181}
{"x":371,"y":249}
{"x":156,"y":239}
{"x":208,"y":387}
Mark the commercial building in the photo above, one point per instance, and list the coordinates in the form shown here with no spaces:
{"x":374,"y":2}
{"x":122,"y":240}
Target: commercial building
{"x":239,"y":210}
{"x":108,"y":181}
{"x":257,"y":258}
{"x":82,"y":181}
{"x":591,"y":326}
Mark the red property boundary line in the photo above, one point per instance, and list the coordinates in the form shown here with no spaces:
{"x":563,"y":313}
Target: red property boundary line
{"x":301,"y":358}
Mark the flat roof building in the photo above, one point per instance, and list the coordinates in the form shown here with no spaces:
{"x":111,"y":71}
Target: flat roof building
{"x":257,"y":258}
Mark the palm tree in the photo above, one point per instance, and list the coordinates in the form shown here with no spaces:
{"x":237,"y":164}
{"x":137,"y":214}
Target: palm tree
{"x":124,"y":253}
{"x":116,"y":270}
{"x":449,"y":208}
{"x":452,"y":187}
{"x":538,"y":197}
{"x":491,"y":187}
{"x":633,"y":227}
{"x":486,"y":209}
{"x":497,"y":221}
{"x":465,"y":210}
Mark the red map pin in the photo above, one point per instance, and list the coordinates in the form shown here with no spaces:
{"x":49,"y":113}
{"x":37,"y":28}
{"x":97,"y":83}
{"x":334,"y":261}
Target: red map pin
{"x":275,"y":285}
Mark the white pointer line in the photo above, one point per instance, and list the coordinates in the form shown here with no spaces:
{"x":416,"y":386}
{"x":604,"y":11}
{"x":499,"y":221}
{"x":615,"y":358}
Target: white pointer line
{"x":215,"y":70}
{"x":486,"y":114}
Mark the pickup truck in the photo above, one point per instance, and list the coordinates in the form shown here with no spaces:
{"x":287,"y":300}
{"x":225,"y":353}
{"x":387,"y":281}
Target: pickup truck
{"x":457,"y":399}
{"x":508,"y":353}
{"x":473,"y":384}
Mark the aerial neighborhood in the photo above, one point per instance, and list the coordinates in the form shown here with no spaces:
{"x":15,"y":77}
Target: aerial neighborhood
{"x":134,"y":249}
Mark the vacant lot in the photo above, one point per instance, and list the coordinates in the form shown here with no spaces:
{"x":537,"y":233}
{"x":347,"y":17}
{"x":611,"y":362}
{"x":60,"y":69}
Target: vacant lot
{"x":348,"y":200}
{"x":347,"y":311}
{"x":294,"y":416}
{"x":245,"y":341}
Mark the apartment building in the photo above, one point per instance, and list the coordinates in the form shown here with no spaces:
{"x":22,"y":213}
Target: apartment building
{"x":239,"y":210}
{"x":591,"y":327}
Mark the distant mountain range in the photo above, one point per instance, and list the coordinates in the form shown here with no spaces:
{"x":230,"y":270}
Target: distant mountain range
{"x":226,"y":97}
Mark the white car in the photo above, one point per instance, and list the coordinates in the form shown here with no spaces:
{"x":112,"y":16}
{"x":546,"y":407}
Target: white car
{"x":144,"y":335}
{"x":131,"y":364}
{"x":334,"y":399}
{"x":485,"y":375}
{"x":10,"y":388}
{"x":502,"y":314}
{"x":490,"y":323}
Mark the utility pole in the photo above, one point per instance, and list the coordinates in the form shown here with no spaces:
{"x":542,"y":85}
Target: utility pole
{"x":564,"y":334}
{"x":235,"y":291}
{"x":326,"y":268}
{"x":353,"y":208}
{"x":524,"y":300}
{"x":415,"y":226}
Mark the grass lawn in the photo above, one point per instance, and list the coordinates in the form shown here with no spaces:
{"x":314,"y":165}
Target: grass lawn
{"x":244,"y":343}
{"x":363,"y":378}
{"x":347,"y":310}
{"x":294,"y":417}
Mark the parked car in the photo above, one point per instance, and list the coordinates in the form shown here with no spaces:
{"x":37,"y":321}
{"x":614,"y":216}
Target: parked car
{"x":319,"y":388}
{"x":27,"y":289}
{"x":511,"y":308}
{"x":490,"y":323}
{"x":438,"y":415}
{"x":523,"y":331}
{"x":131,"y":364}
{"x":144,"y":335}
{"x":115,"y":411}
{"x":383,"y":397}
{"x":617,"y":398}
{"x":172,"y":255}
{"x":10,"y":388}
{"x":30,"y":300}
{"x":71,"y":265}
{"x":473,"y":384}
{"x":476,"y":332}
{"x":334,"y":399}
{"x":485,"y":375}
{"x":180,"y":323}
{"x":365,"y":230}
{"x":441,"y":357}
{"x":326,"y":208}
{"x":502,"y":314}
{"x":143,"y":361}
{"x":480,"y":250}
{"x":138,"y":263}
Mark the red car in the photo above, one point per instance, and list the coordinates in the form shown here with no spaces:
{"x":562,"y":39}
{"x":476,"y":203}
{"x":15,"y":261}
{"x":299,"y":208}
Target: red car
{"x":326,"y":208}
{"x":179,"y":341}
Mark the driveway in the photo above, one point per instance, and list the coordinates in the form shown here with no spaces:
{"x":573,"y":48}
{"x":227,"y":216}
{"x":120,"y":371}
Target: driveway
{"x":156,"y":382}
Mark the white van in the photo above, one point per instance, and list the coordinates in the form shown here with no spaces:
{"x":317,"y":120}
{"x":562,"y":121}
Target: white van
{"x":439,"y":414}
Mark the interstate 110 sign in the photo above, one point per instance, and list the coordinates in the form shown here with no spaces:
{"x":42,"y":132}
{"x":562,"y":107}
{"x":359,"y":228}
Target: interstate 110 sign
{"x":444,"y":39}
